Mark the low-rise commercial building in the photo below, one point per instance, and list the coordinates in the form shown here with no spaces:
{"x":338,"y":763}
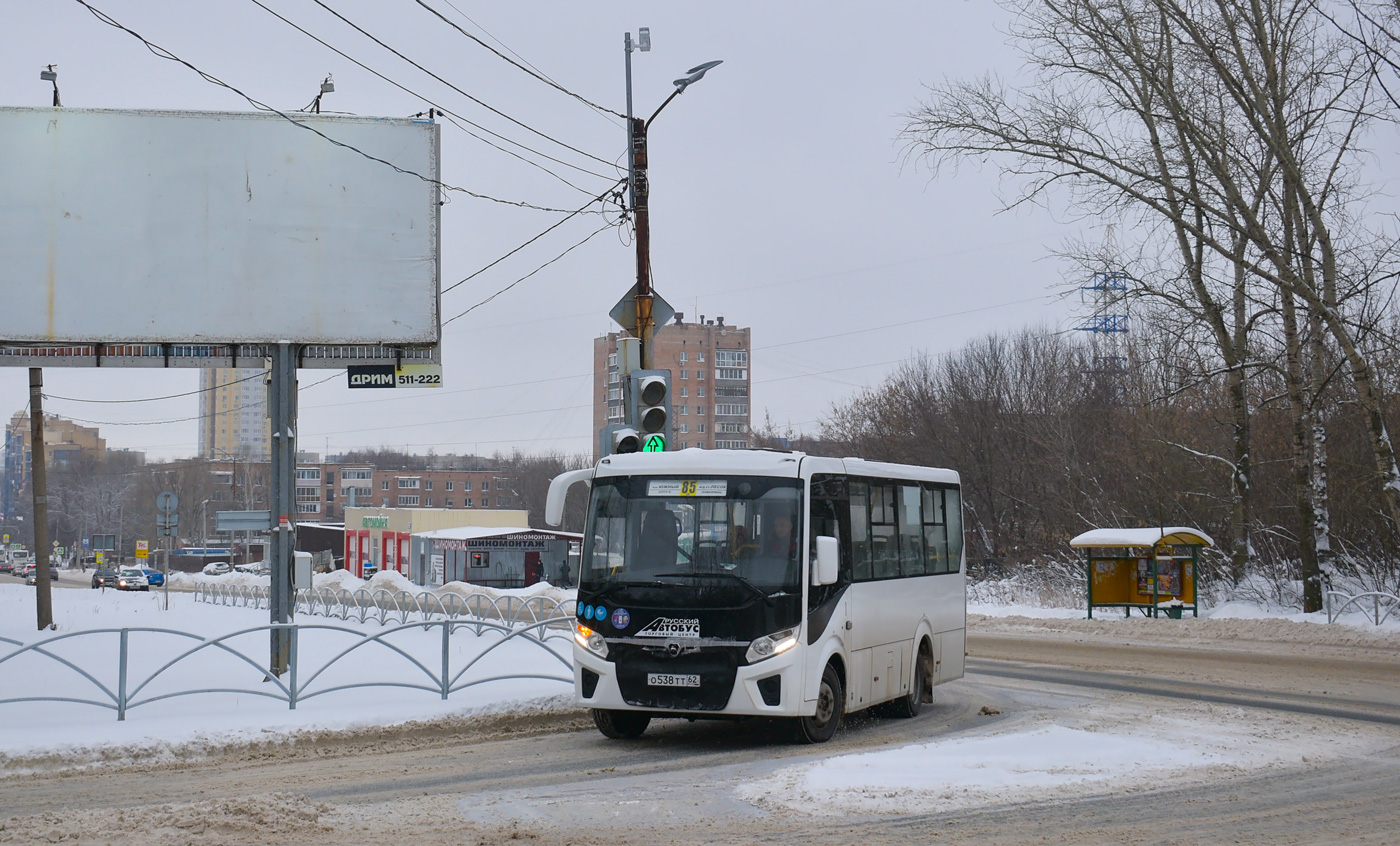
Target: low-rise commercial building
{"x":500,"y":558}
{"x":381,"y":538}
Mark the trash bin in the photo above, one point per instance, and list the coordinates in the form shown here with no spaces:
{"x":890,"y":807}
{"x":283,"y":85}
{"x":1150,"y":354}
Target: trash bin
{"x":1174,"y":612}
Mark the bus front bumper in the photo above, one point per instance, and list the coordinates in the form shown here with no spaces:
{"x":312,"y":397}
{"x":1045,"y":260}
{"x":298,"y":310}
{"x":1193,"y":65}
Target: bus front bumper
{"x":777,"y":680}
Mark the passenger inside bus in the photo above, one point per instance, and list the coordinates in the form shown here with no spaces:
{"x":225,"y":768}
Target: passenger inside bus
{"x":775,"y":561}
{"x":781,"y":537}
{"x":656,"y":543}
{"x":742,"y":546}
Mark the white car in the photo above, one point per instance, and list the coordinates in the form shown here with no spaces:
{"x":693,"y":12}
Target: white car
{"x":131,"y":578}
{"x":216,"y":568}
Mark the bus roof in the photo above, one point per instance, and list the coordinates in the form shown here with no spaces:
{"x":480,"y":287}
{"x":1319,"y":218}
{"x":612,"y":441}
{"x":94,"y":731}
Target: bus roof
{"x":735,"y":462}
{"x":760,"y":462}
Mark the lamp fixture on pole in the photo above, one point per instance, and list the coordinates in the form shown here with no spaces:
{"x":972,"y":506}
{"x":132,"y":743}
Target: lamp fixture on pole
{"x":327,"y":86}
{"x":48,"y":74}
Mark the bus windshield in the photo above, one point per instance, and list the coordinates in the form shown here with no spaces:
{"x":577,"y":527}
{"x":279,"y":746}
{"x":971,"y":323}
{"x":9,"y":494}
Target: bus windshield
{"x":647,"y":529}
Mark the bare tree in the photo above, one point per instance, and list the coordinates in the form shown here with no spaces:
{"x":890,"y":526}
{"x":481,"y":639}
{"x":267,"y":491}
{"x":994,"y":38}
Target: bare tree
{"x":1235,"y":123}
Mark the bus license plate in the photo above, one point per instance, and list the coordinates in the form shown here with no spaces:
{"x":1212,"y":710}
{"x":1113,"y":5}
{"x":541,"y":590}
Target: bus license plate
{"x":672,"y":680}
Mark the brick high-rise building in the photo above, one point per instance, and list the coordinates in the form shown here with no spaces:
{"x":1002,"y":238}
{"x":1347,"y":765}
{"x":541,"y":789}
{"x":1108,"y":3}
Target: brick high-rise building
{"x":709,"y":364}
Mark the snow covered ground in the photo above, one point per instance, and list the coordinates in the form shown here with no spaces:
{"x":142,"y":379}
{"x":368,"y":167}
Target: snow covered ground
{"x":52,"y":734}
{"x":1059,"y":751}
{"x":1068,"y":753}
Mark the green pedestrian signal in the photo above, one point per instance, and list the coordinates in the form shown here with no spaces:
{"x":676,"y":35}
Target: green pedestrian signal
{"x":654,"y":443}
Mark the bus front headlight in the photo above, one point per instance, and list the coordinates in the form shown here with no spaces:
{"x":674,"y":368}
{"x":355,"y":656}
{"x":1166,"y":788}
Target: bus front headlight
{"x":590,"y":640}
{"x":770,"y":645}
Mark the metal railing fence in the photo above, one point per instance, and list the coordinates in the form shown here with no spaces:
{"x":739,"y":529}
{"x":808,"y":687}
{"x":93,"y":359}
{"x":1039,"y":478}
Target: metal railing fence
{"x":299,"y":683}
{"x":1383,"y":604}
{"x":382,"y":606}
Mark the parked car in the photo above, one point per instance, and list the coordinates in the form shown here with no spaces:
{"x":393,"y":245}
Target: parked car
{"x":131,"y":578}
{"x":216,"y":568}
{"x":154,"y":578}
{"x":104,"y":577}
{"x":256,"y":568}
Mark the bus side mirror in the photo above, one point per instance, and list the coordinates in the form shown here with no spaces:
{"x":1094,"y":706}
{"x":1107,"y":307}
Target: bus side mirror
{"x":559,"y":489}
{"x":828,"y":559}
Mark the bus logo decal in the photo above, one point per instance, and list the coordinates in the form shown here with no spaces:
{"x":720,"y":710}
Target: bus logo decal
{"x":667,"y":627}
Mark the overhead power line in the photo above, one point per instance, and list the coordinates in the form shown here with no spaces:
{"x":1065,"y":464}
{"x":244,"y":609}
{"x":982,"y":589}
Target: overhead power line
{"x":426,"y":99}
{"x":600,"y":229}
{"x":556,"y":225}
{"x":469,"y":19}
{"x":163,"y":53}
{"x":433,"y":395}
{"x":257,"y":375}
{"x":449,"y":116}
{"x":186,"y":419}
{"x":479,"y":102}
{"x":446,"y":422}
{"x":541,"y":77}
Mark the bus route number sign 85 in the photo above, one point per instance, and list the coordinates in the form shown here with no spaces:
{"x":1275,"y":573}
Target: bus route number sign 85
{"x":687,"y":487}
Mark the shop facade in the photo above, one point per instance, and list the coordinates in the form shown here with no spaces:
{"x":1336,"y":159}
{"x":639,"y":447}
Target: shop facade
{"x":379,"y":539}
{"x":499,"y":558}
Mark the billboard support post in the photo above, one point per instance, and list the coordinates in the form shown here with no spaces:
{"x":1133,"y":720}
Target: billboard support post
{"x":43,"y":596}
{"x":282,"y":414}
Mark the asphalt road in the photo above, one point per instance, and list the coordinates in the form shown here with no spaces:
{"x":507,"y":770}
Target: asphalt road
{"x":555,"y":780}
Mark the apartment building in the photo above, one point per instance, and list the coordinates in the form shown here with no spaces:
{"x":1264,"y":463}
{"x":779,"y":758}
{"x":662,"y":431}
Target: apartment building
{"x":709,"y":364}
{"x":64,"y":441}
{"x":233,"y":414}
{"x":455,"y":489}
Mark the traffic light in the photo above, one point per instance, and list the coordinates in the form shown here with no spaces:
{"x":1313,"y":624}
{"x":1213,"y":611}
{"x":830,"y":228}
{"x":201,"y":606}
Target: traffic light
{"x":618,"y":439}
{"x":649,"y":401}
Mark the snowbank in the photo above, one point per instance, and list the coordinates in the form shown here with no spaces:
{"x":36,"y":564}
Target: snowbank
{"x":1094,"y":749}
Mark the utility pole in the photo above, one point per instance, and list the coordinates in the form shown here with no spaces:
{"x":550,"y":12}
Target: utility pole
{"x":282,"y":409}
{"x":39,"y":483}
{"x":637,"y":193}
{"x":641,"y":192}
{"x":39,"y":480}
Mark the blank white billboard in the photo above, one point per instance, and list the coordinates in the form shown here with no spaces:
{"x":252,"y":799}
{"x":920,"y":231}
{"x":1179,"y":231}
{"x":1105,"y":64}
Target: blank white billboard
{"x":210,"y":227}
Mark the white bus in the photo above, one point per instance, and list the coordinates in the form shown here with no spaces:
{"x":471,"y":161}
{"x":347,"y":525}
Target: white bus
{"x":762,"y":583}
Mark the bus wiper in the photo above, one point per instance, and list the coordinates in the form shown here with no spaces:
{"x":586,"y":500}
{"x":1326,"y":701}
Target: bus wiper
{"x":608,"y":589}
{"x":757,"y":591}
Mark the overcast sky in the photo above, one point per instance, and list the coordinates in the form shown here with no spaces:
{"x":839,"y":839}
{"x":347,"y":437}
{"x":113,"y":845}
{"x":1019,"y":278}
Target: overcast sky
{"x":780,"y":196}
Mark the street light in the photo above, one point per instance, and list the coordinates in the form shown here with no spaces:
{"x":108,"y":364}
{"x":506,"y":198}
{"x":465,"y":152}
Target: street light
{"x":695,"y":74}
{"x":639,"y":190}
{"x":50,"y":75}
{"x":204,"y":523}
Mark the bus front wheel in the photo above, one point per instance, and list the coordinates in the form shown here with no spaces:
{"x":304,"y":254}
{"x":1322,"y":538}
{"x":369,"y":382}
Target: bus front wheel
{"x":831,"y":701}
{"x":620,"y":724}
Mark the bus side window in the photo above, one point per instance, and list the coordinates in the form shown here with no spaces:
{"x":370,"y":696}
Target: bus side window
{"x":935,"y":530}
{"x":955,"y":529}
{"x":860,"y":532}
{"x":831,"y":514}
{"x":911,"y":542}
{"x":884,"y":542}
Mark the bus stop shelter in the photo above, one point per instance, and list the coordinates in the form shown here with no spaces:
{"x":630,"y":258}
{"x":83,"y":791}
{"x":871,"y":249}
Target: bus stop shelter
{"x":1153,"y":570}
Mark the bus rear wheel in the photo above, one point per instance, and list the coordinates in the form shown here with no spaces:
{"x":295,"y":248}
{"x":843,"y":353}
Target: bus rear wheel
{"x":620,"y":725}
{"x":831,"y":704}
